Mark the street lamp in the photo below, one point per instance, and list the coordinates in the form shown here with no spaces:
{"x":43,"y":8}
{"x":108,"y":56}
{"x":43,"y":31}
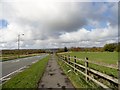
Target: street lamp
{"x":19,"y":43}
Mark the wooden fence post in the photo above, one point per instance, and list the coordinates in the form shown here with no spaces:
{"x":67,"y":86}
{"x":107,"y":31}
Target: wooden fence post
{"x":86,"y":66}
{"x":58,"y":57}
{"x":65,"y":58}
{"x":62,"y":57}
{"x":74,"y":62}
{"x":69,"y":59}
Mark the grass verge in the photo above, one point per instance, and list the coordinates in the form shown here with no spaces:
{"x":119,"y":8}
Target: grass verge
{"x":28,"y":78}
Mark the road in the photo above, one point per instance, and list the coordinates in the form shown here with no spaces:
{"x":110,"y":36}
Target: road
{"x":13,"y":65}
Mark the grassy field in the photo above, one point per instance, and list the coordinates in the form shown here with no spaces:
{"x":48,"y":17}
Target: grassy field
{"x":6,"y":57}
{"x":28,"y":78}
{"x":79,"y":80}
{"x":104,"y":57}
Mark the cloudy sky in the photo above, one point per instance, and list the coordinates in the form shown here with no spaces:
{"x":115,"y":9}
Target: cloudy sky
{"x":57,"y":24}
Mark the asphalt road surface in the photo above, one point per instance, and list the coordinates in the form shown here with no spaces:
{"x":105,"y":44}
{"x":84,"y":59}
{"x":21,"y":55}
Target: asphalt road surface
{"x":12,"y":65}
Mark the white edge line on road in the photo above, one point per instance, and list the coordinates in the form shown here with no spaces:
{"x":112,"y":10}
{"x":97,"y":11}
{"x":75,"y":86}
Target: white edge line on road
{"x":12,"y":73}
{"x":5,"y":79}
{"x":11,"y":61}
{"x":16,"y":70}
{"x":34,"y":61}
{"x":23,"y":58}
{"x":15,"y":61}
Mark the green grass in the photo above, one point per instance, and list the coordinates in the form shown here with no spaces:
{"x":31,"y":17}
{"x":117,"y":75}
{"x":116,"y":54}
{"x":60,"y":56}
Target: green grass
{"x":28,"y":78}
{"x":77,"y":80}
{"x":105,"y":57}
{"x":109,"y":71}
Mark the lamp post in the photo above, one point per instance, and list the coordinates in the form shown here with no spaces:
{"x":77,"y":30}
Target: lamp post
{"x":19,"y":44}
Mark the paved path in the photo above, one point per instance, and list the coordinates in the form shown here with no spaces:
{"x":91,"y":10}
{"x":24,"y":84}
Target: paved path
{"x":54,"y":77}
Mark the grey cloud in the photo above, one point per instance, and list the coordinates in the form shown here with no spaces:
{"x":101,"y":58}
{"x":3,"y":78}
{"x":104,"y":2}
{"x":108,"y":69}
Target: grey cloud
{"x":50,"y":22}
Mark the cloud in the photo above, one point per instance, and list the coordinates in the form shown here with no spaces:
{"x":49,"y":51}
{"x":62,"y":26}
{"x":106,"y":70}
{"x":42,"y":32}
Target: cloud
{"x":58,"y":24}
{"x":99,"y":34}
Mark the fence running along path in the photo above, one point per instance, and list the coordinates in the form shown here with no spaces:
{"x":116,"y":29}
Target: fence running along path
{"x":88,"y":72}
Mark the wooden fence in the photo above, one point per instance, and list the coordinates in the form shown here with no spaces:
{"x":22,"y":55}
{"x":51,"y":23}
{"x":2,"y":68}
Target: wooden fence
{"x":88,"y":72}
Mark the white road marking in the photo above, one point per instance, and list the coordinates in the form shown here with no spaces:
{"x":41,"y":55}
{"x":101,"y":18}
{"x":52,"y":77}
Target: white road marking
{"x":12,"y":73}
{"x":42,"y":56}
{"x":18,"y":70}
{"x":25,"y":58}
{"x":11,"y":61}
{"x":34,"y":62}
{"x":16,"y":61}
{"x":5,"y":79}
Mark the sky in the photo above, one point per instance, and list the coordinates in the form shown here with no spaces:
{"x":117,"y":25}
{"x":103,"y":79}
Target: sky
{"x":56,"y":24}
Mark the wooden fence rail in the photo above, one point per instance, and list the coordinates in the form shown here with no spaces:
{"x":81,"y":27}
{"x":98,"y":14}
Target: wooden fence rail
{"x":72,"y":63}
{"x":101,"y":64}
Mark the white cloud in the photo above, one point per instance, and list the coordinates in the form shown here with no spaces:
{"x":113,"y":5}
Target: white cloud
{"x":56,"y":24}
{"x":93,"y":35}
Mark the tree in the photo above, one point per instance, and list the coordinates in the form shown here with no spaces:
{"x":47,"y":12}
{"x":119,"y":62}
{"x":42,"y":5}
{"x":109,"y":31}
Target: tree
{"x":110,"y":47}
{"x":118,"y":47}
{"x":65,"y":49}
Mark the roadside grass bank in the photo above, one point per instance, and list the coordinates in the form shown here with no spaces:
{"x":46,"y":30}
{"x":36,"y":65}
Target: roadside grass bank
{"x":78,"y":80}
{"x":12,"y":57}
{"x":28,"y":78}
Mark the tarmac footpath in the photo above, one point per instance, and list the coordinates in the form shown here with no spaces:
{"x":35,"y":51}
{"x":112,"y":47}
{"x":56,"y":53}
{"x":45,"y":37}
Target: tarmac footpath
{"x":54,"y":78}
